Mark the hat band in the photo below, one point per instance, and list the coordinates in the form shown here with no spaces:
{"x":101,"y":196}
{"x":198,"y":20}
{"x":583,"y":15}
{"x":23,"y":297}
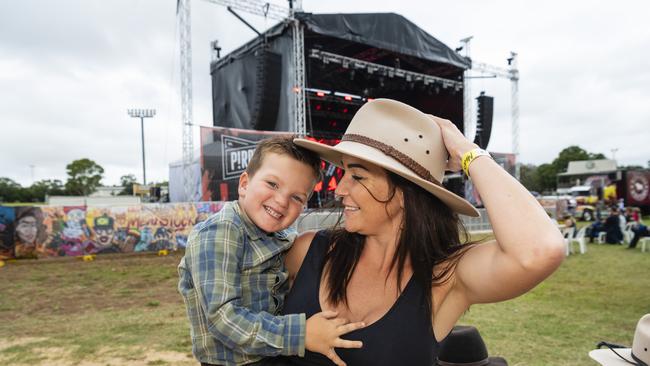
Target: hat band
{"x":406,"y":160}
{"x":477,"y":363}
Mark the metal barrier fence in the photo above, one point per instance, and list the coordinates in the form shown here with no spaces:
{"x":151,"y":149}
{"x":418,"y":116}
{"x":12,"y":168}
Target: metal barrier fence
{"x":316,"y":220}
{"x":477,"y":224}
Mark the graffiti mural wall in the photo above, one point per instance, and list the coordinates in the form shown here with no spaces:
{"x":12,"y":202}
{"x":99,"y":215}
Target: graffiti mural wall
{"x":37,"y":232}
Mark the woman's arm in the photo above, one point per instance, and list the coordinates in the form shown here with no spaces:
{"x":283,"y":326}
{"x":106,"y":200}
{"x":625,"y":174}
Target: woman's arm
{"x":528,"y":246}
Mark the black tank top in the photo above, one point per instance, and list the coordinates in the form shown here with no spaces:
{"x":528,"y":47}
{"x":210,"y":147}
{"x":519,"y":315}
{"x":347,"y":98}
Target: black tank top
{"x":403,"y":336}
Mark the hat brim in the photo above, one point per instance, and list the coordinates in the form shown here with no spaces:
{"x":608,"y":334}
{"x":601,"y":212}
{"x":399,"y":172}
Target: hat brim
{"x":334,"y":155}
{"x":607,"y":357}
{"x":492,"y":361}
{"x":497,"y":361}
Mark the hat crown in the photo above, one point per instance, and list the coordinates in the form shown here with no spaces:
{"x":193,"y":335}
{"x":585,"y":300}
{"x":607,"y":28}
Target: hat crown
{"x":399,"y":138}
{"x":463,"y":345}
{"x":641,"y":342}
{"x":405,"y":129}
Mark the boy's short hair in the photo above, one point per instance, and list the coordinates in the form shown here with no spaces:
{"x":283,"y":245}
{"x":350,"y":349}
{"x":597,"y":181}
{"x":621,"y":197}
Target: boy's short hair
{"x":283,"y":145}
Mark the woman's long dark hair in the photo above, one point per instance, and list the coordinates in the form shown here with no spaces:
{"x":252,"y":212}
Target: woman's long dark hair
{"x":430,"y":235}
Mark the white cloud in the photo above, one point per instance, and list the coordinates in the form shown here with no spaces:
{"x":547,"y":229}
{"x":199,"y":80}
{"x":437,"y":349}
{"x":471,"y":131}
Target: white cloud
{"x":70,"y":69}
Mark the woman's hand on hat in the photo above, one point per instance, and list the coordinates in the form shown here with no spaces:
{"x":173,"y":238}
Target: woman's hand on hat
{"x":455,"y":142}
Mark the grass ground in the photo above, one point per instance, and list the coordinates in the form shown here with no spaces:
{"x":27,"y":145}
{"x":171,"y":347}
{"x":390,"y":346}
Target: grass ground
{"x":126,"y":311}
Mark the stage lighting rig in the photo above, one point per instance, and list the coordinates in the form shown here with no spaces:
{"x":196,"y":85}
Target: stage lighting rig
{"x":371,"y":68}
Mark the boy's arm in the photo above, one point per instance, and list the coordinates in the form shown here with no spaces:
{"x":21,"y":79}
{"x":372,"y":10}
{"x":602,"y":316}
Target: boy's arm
{"x":214,"y":257}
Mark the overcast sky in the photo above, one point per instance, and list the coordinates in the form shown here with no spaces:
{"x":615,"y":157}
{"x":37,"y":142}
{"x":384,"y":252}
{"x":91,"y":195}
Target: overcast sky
{"x":69,"y":70}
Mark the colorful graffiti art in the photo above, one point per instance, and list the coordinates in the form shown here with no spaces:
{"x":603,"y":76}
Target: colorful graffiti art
{"x":29,"y":232}
{"x":36,"y":232}
{"x":7,"y":218}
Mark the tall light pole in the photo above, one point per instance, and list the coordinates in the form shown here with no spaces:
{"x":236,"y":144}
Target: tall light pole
{"x":142,"y":114}
{"x":31,"y":168}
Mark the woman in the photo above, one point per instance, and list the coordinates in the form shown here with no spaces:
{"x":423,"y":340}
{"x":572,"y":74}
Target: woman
{"x":569,"y":226}
{"x":399,"y":265}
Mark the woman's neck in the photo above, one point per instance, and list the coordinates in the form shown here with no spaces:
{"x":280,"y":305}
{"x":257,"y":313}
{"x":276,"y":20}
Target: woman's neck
{"x":379,"y":252}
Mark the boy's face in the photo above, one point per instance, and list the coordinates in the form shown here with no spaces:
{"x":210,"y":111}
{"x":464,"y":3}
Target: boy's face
{"x":276,"y":194}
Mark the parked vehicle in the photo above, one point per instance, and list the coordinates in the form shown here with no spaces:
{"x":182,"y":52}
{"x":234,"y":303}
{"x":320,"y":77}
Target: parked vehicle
{"x":634,"y":188}
{"x":583,"y":202}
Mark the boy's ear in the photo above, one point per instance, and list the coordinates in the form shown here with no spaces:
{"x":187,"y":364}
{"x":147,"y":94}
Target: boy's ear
{"x":243,"y":184}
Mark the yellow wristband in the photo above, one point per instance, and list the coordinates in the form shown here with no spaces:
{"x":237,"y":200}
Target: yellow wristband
{"x":469,"y":156}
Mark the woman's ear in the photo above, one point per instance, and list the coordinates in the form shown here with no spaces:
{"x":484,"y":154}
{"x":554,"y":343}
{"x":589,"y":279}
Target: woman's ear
{"x":400,"y":198}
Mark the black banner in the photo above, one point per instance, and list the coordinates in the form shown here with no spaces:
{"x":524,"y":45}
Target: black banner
{"x":225,"y":153}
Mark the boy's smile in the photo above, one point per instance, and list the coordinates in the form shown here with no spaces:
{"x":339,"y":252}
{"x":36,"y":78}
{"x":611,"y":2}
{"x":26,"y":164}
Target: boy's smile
{"x":277,"y":193}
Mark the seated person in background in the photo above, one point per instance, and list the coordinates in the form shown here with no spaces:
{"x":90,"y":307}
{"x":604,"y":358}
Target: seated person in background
{"x":639,"y":231}
{"x":595,"y":228}
{"x":632,"y":215}
{"x":622,"y":220}
{"x":569,"y":226}
{"x":613,"y":228}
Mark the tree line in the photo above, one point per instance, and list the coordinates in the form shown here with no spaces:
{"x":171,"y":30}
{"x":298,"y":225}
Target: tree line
{"x":543,"y":178}
{"x":84,"y":177}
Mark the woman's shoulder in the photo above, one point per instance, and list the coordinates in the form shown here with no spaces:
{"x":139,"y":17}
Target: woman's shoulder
{"x":296,"y":255}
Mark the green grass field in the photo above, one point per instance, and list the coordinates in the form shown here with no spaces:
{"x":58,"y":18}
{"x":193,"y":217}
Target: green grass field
{"x":126,"y":311}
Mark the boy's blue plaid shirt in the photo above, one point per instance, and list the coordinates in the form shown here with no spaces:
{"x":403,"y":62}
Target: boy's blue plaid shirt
{"x":233,"y":281}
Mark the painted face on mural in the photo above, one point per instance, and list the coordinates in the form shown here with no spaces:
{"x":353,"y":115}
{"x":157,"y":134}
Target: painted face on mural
{"x":27,"y":229}
{"x":73,"y":228}
{"x":76,"y":215}
{"x":103,"y":227}
{"x":104,"y":237}
{"x":161,"y":238}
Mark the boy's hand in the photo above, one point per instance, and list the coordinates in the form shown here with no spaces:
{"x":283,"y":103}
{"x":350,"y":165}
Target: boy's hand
{"x":323,"y":331}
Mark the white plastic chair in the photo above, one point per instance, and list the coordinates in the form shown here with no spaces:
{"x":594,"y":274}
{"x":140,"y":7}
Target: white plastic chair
{"x":568,"y":235}
{"x":643,"y":242}
{"x":580,"y":239}
{"x":628,"y":234}
{"x":601,"y":237}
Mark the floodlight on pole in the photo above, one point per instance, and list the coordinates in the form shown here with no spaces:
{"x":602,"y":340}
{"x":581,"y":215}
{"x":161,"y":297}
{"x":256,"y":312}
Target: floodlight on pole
{"x":142,"y":114}
{"x":614,"y":150}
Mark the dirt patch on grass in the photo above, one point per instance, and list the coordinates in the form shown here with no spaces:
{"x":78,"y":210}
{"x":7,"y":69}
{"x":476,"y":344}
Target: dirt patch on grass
{"x":6,"y":343}
{"x":115,"y":310}
{"x":59,"y":356}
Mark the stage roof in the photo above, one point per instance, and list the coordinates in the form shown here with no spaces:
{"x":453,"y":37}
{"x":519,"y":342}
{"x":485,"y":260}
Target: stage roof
{"x":388,"y":31}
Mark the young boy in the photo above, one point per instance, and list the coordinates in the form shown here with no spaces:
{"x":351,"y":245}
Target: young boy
{"x":233,"y":278}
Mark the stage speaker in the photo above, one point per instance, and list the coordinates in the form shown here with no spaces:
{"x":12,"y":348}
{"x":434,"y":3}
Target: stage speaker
{"x":484,"y":113}
{"x":266,"y":104}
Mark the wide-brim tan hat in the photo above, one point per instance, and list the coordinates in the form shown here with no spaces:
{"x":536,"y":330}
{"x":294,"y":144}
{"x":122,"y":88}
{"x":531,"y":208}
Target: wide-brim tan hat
{"x":401,"y":139}
{"x":639,"y":353}
{"x":607,"y":357}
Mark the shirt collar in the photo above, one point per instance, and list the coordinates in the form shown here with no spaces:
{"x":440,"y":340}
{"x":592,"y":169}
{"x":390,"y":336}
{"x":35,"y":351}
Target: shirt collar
{"x":255,"y":233}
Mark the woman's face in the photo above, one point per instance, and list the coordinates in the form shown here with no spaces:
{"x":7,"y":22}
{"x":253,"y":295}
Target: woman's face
{"x":27,"y":229}
{"x":365,"y":214}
